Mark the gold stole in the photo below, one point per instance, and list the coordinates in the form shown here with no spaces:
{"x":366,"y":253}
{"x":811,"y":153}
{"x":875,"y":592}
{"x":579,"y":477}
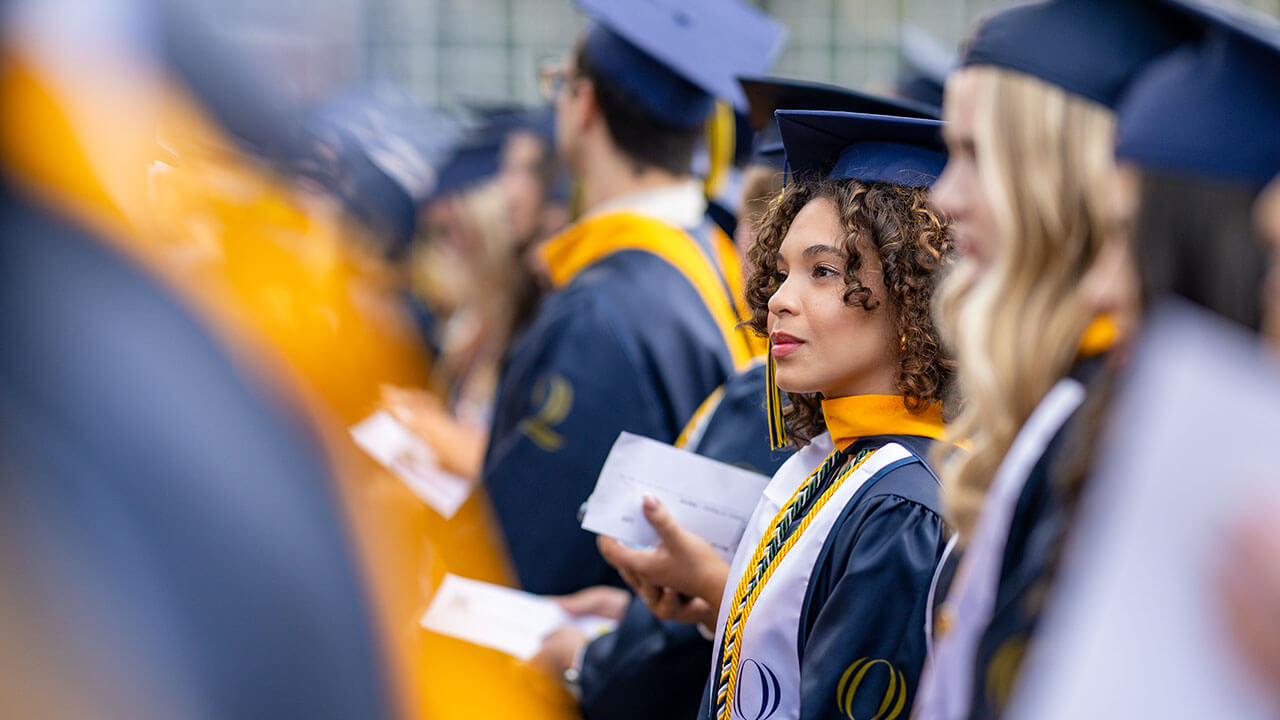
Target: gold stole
{"x":596,"y":238}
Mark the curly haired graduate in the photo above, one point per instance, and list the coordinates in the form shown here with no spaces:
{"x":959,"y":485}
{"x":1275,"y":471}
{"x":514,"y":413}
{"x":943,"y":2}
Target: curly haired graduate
{"x":822,"y":612}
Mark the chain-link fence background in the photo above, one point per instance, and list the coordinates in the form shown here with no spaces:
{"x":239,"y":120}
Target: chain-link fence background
{"x":442,"y":51}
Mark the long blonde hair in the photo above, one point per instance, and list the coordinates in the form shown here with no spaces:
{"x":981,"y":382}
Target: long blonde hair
{"x":1045,"y":158}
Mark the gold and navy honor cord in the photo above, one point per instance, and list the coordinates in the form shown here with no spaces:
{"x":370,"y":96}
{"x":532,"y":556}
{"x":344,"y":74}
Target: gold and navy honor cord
{"x":786,"y":528}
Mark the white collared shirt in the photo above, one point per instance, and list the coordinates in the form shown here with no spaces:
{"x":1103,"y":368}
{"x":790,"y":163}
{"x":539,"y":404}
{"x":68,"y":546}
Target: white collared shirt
{"x":681,"y":204}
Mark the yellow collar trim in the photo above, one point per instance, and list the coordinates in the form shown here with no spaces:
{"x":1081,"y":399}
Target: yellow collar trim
{"x":856,"y":416}
{"x":1101,"y":335}
{"x":596,"y":238}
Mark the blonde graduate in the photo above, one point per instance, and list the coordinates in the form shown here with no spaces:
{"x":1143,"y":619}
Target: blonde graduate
{"x":1043,"y":281}
{"x":1027,"y":189}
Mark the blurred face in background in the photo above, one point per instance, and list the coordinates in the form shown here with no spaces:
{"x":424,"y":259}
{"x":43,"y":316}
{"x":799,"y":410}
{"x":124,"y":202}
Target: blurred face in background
{"x":573,"y":108}
{"x":1269,"y":227}
{"x":1111,"y":285}
{"x":760,"y":185}
{"x":960,"y":192}
{"x":523,"y":183}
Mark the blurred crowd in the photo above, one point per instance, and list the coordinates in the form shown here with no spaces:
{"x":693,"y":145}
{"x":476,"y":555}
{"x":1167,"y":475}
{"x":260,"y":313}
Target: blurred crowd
{"x":272,"y":369}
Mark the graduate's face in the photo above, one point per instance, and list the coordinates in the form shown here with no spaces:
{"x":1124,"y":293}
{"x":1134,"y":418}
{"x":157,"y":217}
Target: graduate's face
{"x":522,"y":155}
{"x":1111,"y":285}
{"x":1269,"y":226}
{"x":820,"y":343}
{"x":573,"y":98}
{"x":960,"y":192}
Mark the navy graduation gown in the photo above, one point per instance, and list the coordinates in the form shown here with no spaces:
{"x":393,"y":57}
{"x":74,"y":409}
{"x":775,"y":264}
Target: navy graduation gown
{"x":1037,"y":532}
{"x":737,"y":430}
{"x":171,"y":514}
{"x":885,"y":545}
{"x":650,"y":668}
{"x":628,"y":343}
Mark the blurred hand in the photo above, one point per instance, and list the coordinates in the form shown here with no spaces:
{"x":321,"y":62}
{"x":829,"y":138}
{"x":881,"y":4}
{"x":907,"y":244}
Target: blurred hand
{"x":678,"y":607}
{"x":602,"y":600}
{"x":559,"y":650}
{"x":682,"y":579}
{"x":459,"y":447}
{"x":1250,"y":593}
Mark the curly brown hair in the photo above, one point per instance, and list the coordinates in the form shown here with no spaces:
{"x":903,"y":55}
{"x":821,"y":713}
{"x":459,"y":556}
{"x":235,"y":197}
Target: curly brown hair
{"x":913,"y":243}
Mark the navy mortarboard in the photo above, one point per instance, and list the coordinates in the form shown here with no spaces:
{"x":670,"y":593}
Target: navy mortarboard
{"x":1092,"y":48}
{"x":676,"y":58}
{"x":872,"y":148}
{"x":1210,"y":111}
{"x":472,"y":161}
{"x":767,"y":95}
{"x":378,"y":154}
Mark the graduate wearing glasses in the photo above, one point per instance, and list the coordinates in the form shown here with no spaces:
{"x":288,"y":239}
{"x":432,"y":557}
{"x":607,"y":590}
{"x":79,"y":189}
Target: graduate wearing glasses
{"x":641,"y":323}
{"x":822,"y":612}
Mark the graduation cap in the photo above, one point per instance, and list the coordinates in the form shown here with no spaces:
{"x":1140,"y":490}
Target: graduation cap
{"x":675,"y":57}
{"x":1092,"y":48}
{"x":767,"y":95}
{"x":870,"y":148}
{"x":509,"y":117}
{"x":1211,"y":111}
{"x":471,"y":163}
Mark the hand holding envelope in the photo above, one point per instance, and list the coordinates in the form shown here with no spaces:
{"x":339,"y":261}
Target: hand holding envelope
{"x":686,"y":513}
{"x":681,"y":580}
{"x":407,"y":456}
{"x":511,"y":621}
{"x":711,"y":499}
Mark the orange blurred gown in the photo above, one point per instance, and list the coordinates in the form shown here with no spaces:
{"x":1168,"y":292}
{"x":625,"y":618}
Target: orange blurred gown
{"x":126,"y":151}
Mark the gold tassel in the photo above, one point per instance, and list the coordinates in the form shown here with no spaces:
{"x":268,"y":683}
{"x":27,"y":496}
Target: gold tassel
{"x":773,"y":405}
{"x":721,"y":135}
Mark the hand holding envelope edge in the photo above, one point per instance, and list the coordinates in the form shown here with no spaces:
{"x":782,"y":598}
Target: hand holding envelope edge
{"x":682,"y":579}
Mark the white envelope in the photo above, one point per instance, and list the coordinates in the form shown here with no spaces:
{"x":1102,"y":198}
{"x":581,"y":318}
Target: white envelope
{"x":711,"y":499}
{"x":412,"y":460}
{"x":512,"y":621}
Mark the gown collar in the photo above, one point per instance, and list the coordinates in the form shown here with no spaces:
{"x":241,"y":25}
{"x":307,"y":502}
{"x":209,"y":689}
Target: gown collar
{"x":857,"y":416}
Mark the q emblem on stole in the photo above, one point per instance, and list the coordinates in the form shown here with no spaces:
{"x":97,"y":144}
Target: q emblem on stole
{"x":859,"y":678}
{"x":758,"y":693}
{"x":553,"y":396}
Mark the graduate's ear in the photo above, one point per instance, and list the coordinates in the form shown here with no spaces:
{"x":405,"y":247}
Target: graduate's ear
{"x":586,"y":107}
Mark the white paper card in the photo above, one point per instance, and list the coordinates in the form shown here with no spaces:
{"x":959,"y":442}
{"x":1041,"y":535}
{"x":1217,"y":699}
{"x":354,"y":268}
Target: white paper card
{"x":512,"y":621}
{"x":412,"y":460}
{"x":1134,"y":628}
{"x":711,"y":499}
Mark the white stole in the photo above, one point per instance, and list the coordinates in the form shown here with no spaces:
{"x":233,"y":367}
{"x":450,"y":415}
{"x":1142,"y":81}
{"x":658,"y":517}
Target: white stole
{"x":946,"y":684}
{"x":768,"y":679}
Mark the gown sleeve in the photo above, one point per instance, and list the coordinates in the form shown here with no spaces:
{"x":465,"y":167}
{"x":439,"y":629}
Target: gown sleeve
{"x":176,"y":518}
{"x":862,"y":638}
{"x":569,"y":388}
{"x":1036,"y":536}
